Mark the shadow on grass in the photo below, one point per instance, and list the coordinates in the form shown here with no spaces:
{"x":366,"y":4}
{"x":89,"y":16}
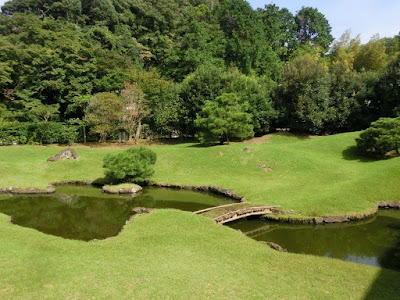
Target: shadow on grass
{"x":386,"y":286}
{"x":352,"y":154}
{"x":387,"y":283}
{"x":299,"y":136}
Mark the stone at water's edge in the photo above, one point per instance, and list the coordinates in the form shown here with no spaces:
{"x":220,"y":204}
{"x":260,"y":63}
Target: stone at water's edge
{"x":274,"y":246}
{"x":126,"y":189}
{"x":67,"y":153}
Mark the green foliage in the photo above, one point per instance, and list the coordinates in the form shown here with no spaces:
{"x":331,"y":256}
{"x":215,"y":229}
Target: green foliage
{"x":382,"y":137}
{"x":371,"y":56}
{"x":53,"y":132}
{"x":198,"y":40}
{"x":131,"y":165}
{"x":245,"y":46}
{"x":135,"y":107}
{"x":388,"y":91}
{"x":313,"y":28}
{"x":104,"y":113}
{"x":279,"y":29}
{"x":14,"y":133}
{"x":209,"y":82}
{"x":224,"y":119}
{"x":55,"y":55}
{"x":306,"y":94}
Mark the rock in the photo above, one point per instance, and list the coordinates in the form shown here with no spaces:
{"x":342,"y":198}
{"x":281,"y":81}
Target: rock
{"x":389,"y":204}
{"x":142,"y":210}
{"x":336,"y":219}
{"x":265,"y":168}
{"x":67,"y":153}
{"x":394,"y":204}
{"x":275,"y":246}
{"x":382,"y":204}
{"x":247,"y":150}
{"x":291,"y":211}
{"x":19,"y":191}
{"x":122,"y":189}
{"x":279,"y":211}
{"x":220,"y":154}
{"x":318,"y":221}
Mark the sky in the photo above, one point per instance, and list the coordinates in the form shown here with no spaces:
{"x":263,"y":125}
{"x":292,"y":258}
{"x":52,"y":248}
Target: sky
{"x":364,"y":17}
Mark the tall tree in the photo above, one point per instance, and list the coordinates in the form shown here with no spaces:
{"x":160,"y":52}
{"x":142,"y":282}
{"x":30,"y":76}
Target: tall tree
{"x":305,"y":94}
{"x":104,"y":114}
{"x":135,"y":109}
{"x":197,"y":40}
{"x":313,"y":28}
{"x":280,"y":29}
{"x":371,"y":56}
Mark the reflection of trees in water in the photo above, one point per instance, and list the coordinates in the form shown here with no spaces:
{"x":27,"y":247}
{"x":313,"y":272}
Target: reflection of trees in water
{"x":391,"y":258}
{"x":76,"y":217}
{"x":85,"y":213}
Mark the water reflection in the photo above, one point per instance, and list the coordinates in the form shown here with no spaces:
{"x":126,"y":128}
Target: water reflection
{"x":375,"y":241}
{"x":85,"y":213}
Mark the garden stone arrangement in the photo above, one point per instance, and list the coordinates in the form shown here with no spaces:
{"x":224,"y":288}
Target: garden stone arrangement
{"x":67,"y":153}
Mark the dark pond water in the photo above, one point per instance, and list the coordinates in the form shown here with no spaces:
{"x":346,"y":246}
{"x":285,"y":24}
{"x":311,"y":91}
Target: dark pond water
{"x":85,"y":213}
{"x":375,"y":241}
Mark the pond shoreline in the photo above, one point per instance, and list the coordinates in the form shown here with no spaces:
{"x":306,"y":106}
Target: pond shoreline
{"x":280,"y":216}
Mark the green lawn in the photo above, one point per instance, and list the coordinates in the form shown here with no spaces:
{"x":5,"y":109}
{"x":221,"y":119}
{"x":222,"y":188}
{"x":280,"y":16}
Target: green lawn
{"x":173,"y":254}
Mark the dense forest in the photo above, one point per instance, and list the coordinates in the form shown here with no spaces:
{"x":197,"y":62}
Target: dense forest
{"x":73,"y":70}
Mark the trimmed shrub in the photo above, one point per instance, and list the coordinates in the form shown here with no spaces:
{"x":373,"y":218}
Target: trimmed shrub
{"x":382,"y":137}
{"x":131,"y":165}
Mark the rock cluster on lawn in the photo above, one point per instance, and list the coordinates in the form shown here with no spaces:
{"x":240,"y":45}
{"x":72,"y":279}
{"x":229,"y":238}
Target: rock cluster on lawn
{"x":67,"y":153}
{"x":265,"y":168}
{"x":122,"y":189}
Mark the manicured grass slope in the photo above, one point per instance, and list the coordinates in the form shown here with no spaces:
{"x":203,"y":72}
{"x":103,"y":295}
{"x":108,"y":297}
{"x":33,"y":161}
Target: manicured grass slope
{"x":313,"y":177}
{"x":175,"y":255}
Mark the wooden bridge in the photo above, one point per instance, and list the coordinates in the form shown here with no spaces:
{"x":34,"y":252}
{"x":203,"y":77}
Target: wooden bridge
{"x":232,"y":212}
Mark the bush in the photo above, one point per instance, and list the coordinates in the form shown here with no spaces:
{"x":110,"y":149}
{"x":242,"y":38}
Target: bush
{"x":382,"y":137}
{"x":53,"y":132}
{"x":224,"y":119}
{"x":132,"y":165}
{"x":15,"y":132}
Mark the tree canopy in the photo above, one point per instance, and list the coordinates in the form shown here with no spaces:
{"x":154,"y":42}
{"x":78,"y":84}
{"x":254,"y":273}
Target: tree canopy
{"x":59,"y":58}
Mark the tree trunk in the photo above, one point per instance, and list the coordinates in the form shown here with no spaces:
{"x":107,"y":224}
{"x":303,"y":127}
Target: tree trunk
{"x":138,"y":131}
{"x":84,"y":134}
{"x":130,"y":136}
{"x":103,"y":138}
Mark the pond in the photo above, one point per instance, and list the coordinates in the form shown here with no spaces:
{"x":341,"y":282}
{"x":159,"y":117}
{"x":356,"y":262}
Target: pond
{"x":86,"y":213}
{"x":374,"y":241}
